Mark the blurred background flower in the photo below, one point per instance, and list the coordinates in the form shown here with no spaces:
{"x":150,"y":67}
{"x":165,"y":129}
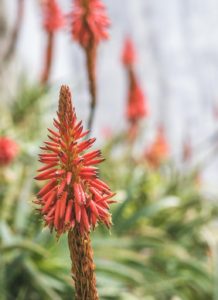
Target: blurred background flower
{"x":8,"y":150}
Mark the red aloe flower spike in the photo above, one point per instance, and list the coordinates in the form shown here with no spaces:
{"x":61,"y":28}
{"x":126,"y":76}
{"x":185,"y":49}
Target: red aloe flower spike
{"x":53,"y":21}
{"x":137,"y":104}
{"x":74,"y":199}
{"x":89,"y":27}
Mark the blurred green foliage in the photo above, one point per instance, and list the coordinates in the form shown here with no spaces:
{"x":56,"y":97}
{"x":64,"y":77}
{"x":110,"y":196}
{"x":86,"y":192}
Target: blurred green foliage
{"x":157,"y":249}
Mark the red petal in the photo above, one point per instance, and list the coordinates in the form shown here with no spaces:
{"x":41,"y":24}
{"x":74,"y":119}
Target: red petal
{"x":57,"y":212}
{"x":63,"y":201}
{"x":77,"y":193}
{"x":46,"y":188}
{"x":93,"y":220}
{"x":82,"y":194}
{"x":85,"y":219}
{"x":94,"y":162}
{"x":77,"y":212}
{"x":93,"y":208}
{"x":48,"y":202}
{"x":54,"y":133}
{"x":62,"y":187}
{"x":47,"y":167}
{"x":68,"y":211}
{"x":45,"y":175}
{"x":69,"y":177}
{"x":102,"y":183}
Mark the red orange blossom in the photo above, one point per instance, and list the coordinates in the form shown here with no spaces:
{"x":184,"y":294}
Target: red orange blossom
{"x":73,"y":195}
{"x":89,"y":22}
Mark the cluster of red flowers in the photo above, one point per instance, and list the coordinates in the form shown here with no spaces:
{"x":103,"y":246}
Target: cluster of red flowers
{"x":73,"y":194}
{"x":136,"y":108}
{"x":159,"y":150}
{"x":89,"y":22}
{"x":137,"y":105}
{"x":53,"y":18}
{"x":8,"y":150}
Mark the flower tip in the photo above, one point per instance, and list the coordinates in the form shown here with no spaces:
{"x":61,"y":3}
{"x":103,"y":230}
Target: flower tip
{"x":129,"y":52}
{"x":65,"y":89}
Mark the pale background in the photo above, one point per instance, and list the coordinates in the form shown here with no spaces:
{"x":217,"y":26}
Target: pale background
{"x":177,"y":43}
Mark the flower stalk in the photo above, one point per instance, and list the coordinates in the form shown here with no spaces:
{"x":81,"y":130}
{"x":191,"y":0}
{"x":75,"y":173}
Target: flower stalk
{"x":91,"y":71}
{"x":83,"y":268}
{"x":16,"y":31}
{"x":48,"y":58}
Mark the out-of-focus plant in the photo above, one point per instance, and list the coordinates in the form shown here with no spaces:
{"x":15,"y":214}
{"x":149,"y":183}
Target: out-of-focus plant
{"x":164,"y":213}
{"x":156,"y":251}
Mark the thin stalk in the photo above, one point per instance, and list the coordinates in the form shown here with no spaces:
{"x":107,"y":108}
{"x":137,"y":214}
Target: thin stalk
{"x":83,"y":268}
{"x":16,"y":30}
{"x":48,"y":59}
{"x":90,"y":65}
